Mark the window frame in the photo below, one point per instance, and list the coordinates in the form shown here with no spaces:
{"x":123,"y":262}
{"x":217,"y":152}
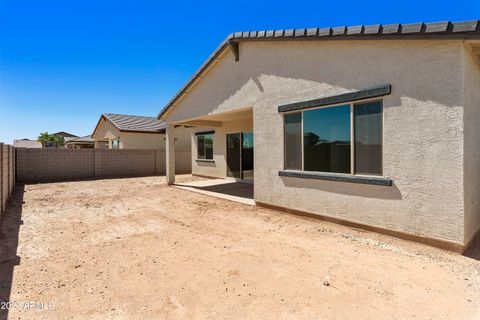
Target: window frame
{"x":203,"y":134}
{"x":351,"y":104}
{"x":117,"y":144}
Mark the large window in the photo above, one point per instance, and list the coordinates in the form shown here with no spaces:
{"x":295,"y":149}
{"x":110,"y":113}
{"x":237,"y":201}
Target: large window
{"x":327,"y":134}
{"x":205,"y":146}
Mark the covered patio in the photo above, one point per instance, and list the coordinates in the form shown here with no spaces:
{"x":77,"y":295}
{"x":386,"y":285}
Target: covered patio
{"x":222,"y":149}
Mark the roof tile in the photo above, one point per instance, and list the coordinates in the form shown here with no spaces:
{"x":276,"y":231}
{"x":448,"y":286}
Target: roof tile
{"x":312,"y":32}
{"x":323,"y":32}
{"x":338,"y":31}
{"x":391,"y":28}
{"x":299,"y":32}
{"x":354,"y":30}
{"x":437,"y":27}
{"x":412,"y":28}
{"x":289,"y":33}
{"x":465,"y":26}
{"x":373,"y":29}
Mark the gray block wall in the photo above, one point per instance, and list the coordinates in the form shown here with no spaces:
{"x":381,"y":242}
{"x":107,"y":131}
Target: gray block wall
{"x":44,"y":165}
{"x":7,"y":174}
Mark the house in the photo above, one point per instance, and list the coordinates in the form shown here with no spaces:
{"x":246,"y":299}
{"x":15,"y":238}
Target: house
{"x":26,"y":143}
{"x":66,"y":136}
{"x":390,"y":115}
{"x":119,"y":131}
{"x":85,"y":142}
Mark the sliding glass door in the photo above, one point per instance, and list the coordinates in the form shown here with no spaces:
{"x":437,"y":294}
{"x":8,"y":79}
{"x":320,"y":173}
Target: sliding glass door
{"x":234,"y":151}
{"x":240,"y":156}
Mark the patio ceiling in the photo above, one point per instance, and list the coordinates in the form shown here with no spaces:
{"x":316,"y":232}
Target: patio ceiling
{"x":216,"y":120}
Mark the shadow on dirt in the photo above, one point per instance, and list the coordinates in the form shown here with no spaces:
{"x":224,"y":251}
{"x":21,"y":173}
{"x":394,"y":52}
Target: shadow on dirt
{"x":9,"y":231}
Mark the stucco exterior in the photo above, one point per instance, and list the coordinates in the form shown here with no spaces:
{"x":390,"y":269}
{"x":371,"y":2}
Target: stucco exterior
{"x":425,"y":138}
{"x":140,"y":140}
{"x":472,"y":141}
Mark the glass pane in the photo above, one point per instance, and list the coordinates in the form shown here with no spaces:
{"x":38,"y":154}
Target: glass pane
{"x":293,"y":141}
{"x":326,"y":138}
{"x":368,"y":138}
{"x":200,"y":147}
{"x":247,"y":156}
{"x":234,"y":155}
{"x":208,"y":146}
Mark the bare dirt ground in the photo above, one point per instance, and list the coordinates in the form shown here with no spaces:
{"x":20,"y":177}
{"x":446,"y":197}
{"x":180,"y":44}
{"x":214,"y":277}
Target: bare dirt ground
{"x":137,"y":249}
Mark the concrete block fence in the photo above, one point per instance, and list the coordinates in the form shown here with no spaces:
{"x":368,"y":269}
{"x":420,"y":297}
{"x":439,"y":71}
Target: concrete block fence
{"x":7,"y":174}
{"x":45,"y":165}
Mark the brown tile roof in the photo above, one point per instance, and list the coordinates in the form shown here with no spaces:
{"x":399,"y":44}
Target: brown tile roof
{"x":125,"y":122}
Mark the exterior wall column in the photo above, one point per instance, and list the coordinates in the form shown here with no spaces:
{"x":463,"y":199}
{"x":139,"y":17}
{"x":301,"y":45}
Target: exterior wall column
{"x":170,"y":154}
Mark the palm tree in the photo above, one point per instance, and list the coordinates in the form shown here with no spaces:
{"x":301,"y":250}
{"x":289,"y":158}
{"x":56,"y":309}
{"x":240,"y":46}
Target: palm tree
{"x":57,"y":140}
{"x":50,"y":140}
{"x":44,"y":138}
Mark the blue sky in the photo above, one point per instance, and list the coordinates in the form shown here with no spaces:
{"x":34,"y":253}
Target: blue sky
{"x":63,"y":63}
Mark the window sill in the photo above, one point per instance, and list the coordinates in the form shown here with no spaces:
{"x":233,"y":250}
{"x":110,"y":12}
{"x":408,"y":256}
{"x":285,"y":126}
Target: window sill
{"x":379,"y":181}
{"x":205,"y":160}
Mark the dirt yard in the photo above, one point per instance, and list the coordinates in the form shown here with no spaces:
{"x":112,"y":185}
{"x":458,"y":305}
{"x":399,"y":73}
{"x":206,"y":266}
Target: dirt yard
{"x":137,"y":249}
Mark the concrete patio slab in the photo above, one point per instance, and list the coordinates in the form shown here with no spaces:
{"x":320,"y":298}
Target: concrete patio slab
{"x":227,"y":189}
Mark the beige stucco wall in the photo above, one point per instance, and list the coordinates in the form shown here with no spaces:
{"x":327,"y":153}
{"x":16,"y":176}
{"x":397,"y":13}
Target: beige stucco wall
{"x":423,"y":125}
{"x":105,"y":131}
{"x":472,"y":142}
{"x":133,"y":140}
{"x":218,"y":168}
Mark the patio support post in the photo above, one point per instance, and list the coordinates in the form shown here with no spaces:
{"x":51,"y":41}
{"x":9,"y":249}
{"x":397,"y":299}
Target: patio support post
{"x":170,"y":152}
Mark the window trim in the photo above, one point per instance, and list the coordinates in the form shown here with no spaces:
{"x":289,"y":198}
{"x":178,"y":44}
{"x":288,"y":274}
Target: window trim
{"x":338,"y":177}
{"x":378,"y":179}
{"x":371,"y":93}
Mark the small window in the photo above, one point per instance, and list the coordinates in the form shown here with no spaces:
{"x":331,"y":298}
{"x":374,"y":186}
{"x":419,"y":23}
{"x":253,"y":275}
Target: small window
{"x":205,"y":146}
{"x":116,"y":144}
{"x":293,"y":141}
{"x":368,"y":138}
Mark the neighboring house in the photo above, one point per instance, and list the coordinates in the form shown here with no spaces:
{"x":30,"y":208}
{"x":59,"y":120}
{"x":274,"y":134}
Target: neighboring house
{"x":119,"y":131}
{"x":66,"y":136}
{"x":86,"y":142}
{"x":390,"y":116}
{"x":26,"y":143}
